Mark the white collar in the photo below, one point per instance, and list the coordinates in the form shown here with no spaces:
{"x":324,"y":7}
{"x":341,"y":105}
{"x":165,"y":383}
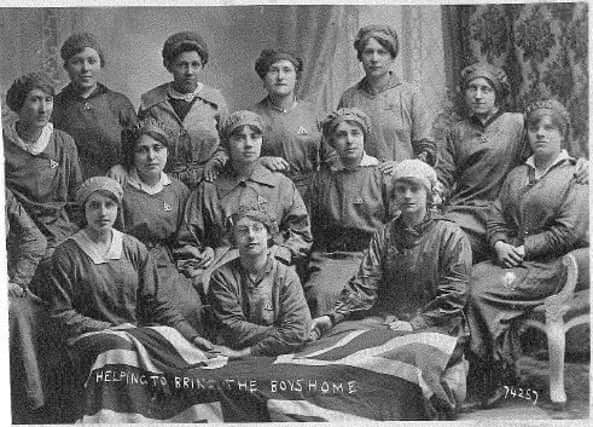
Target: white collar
{"x":135,"y":181}
{"x":187,"y":97}
{"x":38,"y":146}
{"x":366,"y":161}
{"x":90,"y":248}
{"x":563,"y":155}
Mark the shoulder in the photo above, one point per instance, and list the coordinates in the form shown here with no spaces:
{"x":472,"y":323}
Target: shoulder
{"x":64,"y":141}
{"x":225,"y":273}
{"x":66,"y":252}
{"x":177,"y":186}
{"x":349,"y":94}
{"x":212,"y":95}
{"x":117,"y":98}
{"x":153,"y":96}
{"x":133,"y":245}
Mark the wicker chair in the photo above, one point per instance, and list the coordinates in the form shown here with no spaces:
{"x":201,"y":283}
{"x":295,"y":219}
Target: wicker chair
{"x":562,"y":312}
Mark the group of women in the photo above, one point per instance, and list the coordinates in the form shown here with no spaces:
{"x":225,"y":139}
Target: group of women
{"x":281,"y":221}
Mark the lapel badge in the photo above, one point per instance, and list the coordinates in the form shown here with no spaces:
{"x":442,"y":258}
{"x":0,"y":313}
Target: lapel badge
{"x":302,"y":131}
{"x":167,"y":207}
{"x":53,"y":164}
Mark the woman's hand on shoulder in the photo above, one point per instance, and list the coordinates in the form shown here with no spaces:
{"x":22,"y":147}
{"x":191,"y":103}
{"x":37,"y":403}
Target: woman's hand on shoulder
{"x":202,"y":344}
{"x":119,"y":173}
{"x":388,"y":167}
{"x":582,"y":171}
{"x":16,"y":291}
{"x":275,"y":164}
{"x":319,"y":326}
{"x":211,"y":170}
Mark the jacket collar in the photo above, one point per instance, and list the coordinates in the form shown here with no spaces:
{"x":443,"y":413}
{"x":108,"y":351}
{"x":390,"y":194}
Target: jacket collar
{"x":562,"y":157}
{"x":71,"y":93}
{"x":365,"y":162}
{"x":135,"y":181}
{"x":38,"y":146}
{"x":89,"y":247}
{"x":228,"y":180}
{"x":160,"y":94}
{"x":393,"y":82}
{"x":477,"y":122}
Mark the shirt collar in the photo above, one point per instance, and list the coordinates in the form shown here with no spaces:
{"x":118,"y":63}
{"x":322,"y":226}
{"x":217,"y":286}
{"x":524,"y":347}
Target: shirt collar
{"x":38,"y":146}
{"x":73,"y":93}
{"x":90,"y":248}
{"x":135,"y":181}
{"x":475,"y":120}
{"x":366,"y":161}
{"x":562,"y":156}
{"x":187,"y":97}
{"x":393,"y":82}
{"x":229,"y":180}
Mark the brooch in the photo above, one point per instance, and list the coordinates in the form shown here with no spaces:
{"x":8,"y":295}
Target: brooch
{"x":167,"y":207}
{"x":302,"y":131}
{"x":53,"y":164}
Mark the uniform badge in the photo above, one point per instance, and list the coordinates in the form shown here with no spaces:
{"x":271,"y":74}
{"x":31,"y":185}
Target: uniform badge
{"x":268,"y":306}
{"x":167,"y":207}
{"x":302,"y":131}
{"x":53,"y":164}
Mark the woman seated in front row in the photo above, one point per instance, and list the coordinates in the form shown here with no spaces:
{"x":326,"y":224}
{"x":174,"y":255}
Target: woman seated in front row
{"x":540,"y":215}
{"x":102,"y":279}
{"x":349,"y":203}
{"x":152,"y":211}
{"x":244,"y":180}
{"x":415,"y":273}
{"x":257,"y":301}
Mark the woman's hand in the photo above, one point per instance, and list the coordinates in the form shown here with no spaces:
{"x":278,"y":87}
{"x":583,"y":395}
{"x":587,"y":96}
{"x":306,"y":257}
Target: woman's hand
{"x":387,"y":167}
{"x":122,"y":326}
{"x":202,"y":344}
{"x":275,"y":164}
{"x":230,"y":353}
{"x":16,"y":291}
{"x":582,"y":171}
{"x":509,"y":255}
{"x":400,"y":326}
{"x":119,"y":173}
{"x":319,"y":326}
{"x":211,"y":170}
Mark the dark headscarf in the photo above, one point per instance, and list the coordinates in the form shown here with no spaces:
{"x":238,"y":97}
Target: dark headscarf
{"x":267,"y":57}
{"x":330,"y":123}
{"x":185,"y":41}
{"x":496,"y":76}
{"x":151,"y":127}
{"x":99,"y":183}
{"x":20,"y":88}
{"x":77,"y":42}
{"x":240,"y":118}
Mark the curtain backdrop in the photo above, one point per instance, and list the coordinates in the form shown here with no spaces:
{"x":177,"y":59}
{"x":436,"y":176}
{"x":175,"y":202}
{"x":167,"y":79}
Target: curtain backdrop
{"x":542,"y":47}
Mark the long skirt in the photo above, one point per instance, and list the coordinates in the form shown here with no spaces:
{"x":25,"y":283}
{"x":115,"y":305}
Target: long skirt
{"x":329,"y":273}
{"x":500,"y":296}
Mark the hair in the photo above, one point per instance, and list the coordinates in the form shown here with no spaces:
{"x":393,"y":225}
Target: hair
{"x":537,"y":116}
{"x":331,"y":139}
{"x":77,"y":42}
{"x":252,"y":128}
{"x":384,"y":43}
{"x":269,"y":57}
{"x":183,"y":47}
{"x":430,"y":194}
{"x":21,"y":87}
{"x":150,"y":127}
{"x":185,"y":41}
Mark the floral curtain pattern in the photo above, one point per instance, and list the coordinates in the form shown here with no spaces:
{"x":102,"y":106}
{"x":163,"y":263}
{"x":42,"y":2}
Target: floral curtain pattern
{"x":543,"y":47}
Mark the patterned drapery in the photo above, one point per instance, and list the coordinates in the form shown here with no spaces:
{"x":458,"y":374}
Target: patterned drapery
{"x":543,"y":47}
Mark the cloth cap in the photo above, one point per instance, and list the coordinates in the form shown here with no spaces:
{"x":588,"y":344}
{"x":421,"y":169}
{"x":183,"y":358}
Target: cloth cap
{"x":256,"y":208}
{"x":384,"y":34}
{"x":267,"y":57}
{"x":330,"y":123}
{"x":97,"y":183}
{"x":552,"y":107}
{"x":185,"y":38}
{"x":241,"y":118}
{"x":77,"y":42}
{"x":20,"y":88}
{"x":416,"y":170}
{"x":496,"y":76}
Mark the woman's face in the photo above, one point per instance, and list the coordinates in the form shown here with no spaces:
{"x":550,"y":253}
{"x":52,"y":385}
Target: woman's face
{"x":100,"y":212}
{"x":245,"y":145}
{"x":281,"y":78}
{"x":84,"y":68}
{"x":480,"y":97}
{"x":150,"y":157}
{"x":36,"y":109}
{"x":410,"y":196}
{"x":348,"y":141}
{"x":545,"y":138}
{"x":185,"y":69}
{"x":251,"y":237}
{"x":376,"y":60}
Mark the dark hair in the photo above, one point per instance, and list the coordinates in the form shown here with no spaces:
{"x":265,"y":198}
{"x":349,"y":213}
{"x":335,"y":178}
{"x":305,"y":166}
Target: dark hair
{"x":77,"y":42}
{"x":186,"y":41}
{"x":534,"y":118}
{"x":150,"y":127}
{"x":253,"y":129}
{"x":20,"y":88}
{"x":268,"y":57}
{"x":384,"y":34}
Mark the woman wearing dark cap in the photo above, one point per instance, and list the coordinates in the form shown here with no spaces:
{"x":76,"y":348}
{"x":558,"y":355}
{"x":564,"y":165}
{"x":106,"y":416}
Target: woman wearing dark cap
{"x":193,"y":109}
{"x":245,"y":180}
{"x":292,"y":142}
{"x":479,"y":152}
{"x":152,"y":211}
{"x":41,"y":163}
{"x":87,"y":110}
{"x":540,"y":215}
{"x":401,"y":122}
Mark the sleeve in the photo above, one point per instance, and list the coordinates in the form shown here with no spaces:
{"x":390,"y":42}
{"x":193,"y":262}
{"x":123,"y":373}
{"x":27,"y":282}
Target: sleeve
{"x":361,"y":292}
{"x":61,"y":283}
{"x":422,"y":139}
{"x":296,"y":227}
{"x":193,"y":226}
{"x":127,"y":115}
{"x":227,"y":308}
{"x":446,"y":166}
{"x":155,"y":304}
{"x":29,"y":243}
{"x":455,"y":261}
{"x":568,"y":228}
{"x":221,"y":155}
{"x":313,"y":196}
{"x":292,"y":326}
{"x":497,"y":226}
